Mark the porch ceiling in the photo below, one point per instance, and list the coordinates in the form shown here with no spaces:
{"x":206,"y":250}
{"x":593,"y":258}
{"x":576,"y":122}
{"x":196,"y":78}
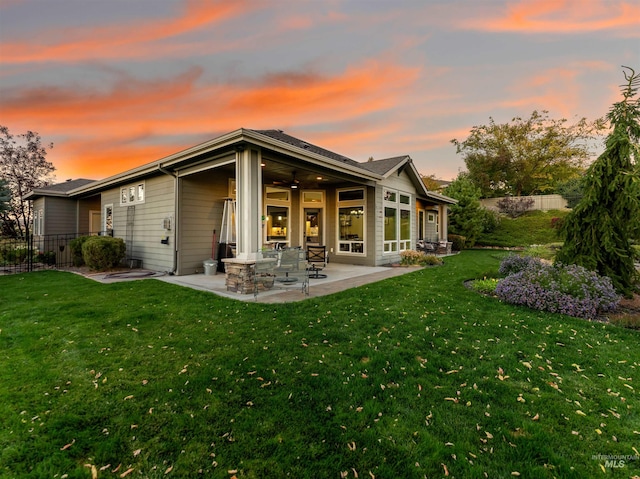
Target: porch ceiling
{"x":284,"y":173}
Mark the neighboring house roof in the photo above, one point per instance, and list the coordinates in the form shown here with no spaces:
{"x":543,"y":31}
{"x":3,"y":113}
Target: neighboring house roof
{"x":58,"y":189}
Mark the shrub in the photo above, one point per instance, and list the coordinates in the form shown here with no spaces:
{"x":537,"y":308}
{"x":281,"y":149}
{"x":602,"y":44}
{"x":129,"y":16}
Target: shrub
{"x":103,"y":252}
{"x":458,"y":242}
{"x":75,"y":245}
{"x":485,"y":285}
{"x":46,"y":257}
{"x":410,"y":257}
{"x":490,"y":220}
{"x":514,"y":207}
{"x":514,"y":263}
{"x":565,"y":289}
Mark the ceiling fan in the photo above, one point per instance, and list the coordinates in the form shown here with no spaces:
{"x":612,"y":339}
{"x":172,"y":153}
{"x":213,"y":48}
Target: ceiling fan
{"x":294,"y":183}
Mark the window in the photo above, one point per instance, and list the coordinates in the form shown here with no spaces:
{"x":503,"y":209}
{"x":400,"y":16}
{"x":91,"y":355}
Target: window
{"x":397,"y":221}
{"x":38,"y":222}
{"x":277,"y":194}
{"x":351,"y":195}
{"x":351,"y":221}
{"x":277,"y":223}
{"x":132,"y":194}
{"x":108,"y":218}
{"x":277,"y":218}
{"x":405,"y":229}
{"x":312,"y":197}
{"x":390,"y":229}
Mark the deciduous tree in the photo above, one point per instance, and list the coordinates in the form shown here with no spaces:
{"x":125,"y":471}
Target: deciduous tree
{"x":23,"y":167}
{"x":526,"y":156}
{"x":598,"y":231}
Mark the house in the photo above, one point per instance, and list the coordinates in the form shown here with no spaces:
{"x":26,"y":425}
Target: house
{"x":284,"y":191}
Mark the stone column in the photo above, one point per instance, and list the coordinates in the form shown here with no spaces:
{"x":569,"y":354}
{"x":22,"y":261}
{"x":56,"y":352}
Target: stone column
{"x":249,"y":202}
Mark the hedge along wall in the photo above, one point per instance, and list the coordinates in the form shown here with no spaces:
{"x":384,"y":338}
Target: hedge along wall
{"x":541,"y":202}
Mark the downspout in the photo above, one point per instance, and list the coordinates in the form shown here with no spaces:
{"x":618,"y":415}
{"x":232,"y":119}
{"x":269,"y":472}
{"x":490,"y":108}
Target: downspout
{"x":175,"y":217}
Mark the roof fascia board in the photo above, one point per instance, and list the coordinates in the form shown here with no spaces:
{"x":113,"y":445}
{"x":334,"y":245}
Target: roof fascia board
{"x":37,"y":193}
{"x":205,"y":165}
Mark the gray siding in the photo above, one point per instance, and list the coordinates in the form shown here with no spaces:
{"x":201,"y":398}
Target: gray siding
{"x":59,"y":216}
{"x":148,"y":227}
{"x":201,"y":205}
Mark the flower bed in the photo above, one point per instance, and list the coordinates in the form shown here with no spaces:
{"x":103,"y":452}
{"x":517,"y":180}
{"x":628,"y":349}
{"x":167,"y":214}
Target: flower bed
{"x":565,"y":289}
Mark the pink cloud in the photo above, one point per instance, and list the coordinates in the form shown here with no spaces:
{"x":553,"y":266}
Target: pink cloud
{"x":561,"y":16}
{"x":119,"y":41}
{"x":123,"y":126}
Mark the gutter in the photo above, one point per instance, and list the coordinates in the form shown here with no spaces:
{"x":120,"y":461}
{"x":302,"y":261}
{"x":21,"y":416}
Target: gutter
{"x":175,"y":217}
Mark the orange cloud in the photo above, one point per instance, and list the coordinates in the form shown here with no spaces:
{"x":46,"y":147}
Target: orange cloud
{"x":121,"y":41}
{"x":562,"y":16}
{"x":121,"y":128}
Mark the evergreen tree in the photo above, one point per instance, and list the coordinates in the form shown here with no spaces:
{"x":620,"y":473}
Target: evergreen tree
{"x":467,"y":217}
{"x":598,"y":231}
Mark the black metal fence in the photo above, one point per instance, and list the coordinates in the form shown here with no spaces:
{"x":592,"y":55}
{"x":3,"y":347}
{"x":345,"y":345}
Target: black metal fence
{"x":32,"y":253}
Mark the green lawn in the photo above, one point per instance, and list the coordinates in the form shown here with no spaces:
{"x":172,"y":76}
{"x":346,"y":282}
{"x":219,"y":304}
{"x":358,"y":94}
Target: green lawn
{"x":415,"y":376}
{"x":534,"y":227}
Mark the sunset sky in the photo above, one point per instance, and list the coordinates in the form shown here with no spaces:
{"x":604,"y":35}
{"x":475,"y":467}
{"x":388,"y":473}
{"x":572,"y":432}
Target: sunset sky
{"x":116,"y":84}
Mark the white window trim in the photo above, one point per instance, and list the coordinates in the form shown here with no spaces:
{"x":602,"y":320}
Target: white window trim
{"x":346,"y":204}
{"x":104,"y":217}
{"x":390,"y":247}
{"x":273,"y":202}
{"x":38,"y":222}
{"x":127,"y":191}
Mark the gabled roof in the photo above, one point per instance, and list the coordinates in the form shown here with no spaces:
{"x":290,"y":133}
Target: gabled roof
{"x":277,"y":140}
{"x":386,"y":166}
{"x":58,"y":189}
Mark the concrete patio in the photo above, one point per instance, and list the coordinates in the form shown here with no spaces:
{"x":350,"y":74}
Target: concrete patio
{"x":339,"y":277}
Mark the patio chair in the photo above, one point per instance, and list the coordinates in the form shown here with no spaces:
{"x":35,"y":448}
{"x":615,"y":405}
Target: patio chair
{"x":317,"y":258}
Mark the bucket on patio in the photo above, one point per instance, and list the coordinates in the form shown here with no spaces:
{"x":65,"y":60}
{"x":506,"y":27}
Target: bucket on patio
{"x":210,"y":267}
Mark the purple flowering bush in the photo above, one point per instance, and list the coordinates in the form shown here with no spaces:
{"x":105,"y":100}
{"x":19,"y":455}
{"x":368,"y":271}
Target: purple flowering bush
{"x":566,"y":289}
{"x":515,"y":263}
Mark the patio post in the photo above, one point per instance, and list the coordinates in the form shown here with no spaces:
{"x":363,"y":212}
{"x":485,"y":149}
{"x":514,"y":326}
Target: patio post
{"x":249,"y":201}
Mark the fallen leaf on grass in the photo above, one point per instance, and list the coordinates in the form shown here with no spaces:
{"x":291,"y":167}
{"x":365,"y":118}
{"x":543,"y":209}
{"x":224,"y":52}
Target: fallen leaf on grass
{"x":128,"y":397}
{"x":446,"y":471}
{"x":169,"y":469}
{"x":580,"y":413}
{"x":536,"y":417}
{"x":67,"y":446}
{"x":94,"y":471}
{"x":127,"y":472}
